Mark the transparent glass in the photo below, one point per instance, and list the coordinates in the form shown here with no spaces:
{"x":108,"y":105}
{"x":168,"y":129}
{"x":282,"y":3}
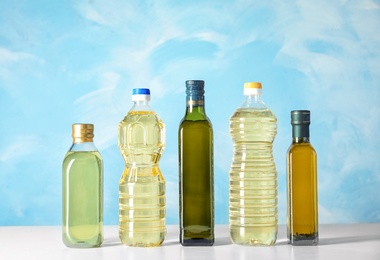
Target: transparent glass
{"x":82,"y":196}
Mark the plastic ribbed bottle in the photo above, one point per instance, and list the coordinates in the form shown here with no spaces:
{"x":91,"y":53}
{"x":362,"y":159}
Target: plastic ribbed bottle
{"x":142,"y":186}
{"x":253,"y":175}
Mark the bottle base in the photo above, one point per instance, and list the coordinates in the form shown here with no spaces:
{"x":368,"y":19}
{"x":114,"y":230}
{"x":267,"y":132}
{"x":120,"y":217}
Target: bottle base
{"x":196,"y":235}
{"x":139,"y":239}
{"x":253,"y":236}
{"x":196,"y":242}
{"x":140,"y":244}
{"x":304,"y":239}
{"x":82,"y":244}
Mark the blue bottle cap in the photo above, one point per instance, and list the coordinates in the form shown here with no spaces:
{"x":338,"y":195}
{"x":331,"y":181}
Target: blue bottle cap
{"x":195,"y":89}
{"x":141,"y":91}
{"x":140,"y":94}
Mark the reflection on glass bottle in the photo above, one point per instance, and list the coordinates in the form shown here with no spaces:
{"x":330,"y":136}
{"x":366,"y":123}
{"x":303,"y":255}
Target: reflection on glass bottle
{"x":302,"y":199}
{"x":82,"y":191}
{"x":196,"y":174}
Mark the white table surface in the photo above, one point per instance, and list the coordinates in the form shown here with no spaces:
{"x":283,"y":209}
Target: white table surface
{"x":359,"y":242}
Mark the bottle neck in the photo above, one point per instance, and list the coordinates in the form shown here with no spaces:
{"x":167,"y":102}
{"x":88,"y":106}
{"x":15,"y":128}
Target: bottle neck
{"x":301,"y":133}
{"x":141,"y":106}
{"x":195,"y":109}
{"x":195,"y":100}
{"x":254,"y":101}
{"x":299,"y":140}
{"x":83,"y":146}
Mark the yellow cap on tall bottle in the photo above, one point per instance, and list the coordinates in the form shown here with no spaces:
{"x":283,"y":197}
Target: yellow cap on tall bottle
{"x":252,"y":88}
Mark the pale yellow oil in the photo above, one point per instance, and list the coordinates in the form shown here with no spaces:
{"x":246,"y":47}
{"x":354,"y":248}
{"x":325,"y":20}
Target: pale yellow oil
{"x":142,"y":186}
{"x":253,"y":178}
{"x":82,"y":214}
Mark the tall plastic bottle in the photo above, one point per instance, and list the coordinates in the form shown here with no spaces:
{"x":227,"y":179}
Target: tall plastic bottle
{"x":82,"y":191}
{"x":253,"y":175}
{"x":302,"y":183}
{"x":196,"y":170}
{"x":142,"y":186}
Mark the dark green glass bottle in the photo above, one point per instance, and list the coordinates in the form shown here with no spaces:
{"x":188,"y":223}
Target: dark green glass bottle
{"x":196,"y":170}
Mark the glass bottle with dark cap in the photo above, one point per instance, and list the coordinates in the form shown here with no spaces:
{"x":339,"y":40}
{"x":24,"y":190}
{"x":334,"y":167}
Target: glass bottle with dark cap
{"x":302,"y":199}
{"x":196,"y":177}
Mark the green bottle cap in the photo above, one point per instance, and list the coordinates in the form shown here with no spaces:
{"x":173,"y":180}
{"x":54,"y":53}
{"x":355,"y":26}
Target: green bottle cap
{"x":300,"y":117}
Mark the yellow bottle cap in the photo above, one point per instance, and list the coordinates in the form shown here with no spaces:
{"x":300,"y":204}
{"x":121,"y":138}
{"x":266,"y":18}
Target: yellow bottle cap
{"x":252,"y":88}
{"x":252,"y":85}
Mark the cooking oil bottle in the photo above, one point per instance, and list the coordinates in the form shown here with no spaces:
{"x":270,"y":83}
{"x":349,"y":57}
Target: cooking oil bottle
{"x":82,"y":191}
{"x":142,"y":187}
{"x":302,"y":188}
{"x":196,"y":170}
{"x":253,"y":175}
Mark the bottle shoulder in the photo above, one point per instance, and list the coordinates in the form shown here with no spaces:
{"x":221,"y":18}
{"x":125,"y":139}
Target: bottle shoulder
{"x":134,"y":113}
{"x":141,"y":117}
{"x":83,"y":147}
{"x":301,"y":148}
{"x":254,"y":102}
{"x":253,"y":122}
{"x":141,"y":106}
{"x":251,"y":112}
{"x":195,"y":116}
{"x":203,"y":123}
{"x":82,"y":155}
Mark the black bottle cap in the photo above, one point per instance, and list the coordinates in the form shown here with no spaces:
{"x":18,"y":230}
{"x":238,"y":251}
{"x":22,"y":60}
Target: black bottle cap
{"x":300,"y":117}
{"x":300,"y":120}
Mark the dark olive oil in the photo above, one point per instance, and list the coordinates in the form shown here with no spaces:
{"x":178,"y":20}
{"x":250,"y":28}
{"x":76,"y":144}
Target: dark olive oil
{"x":196,"y":182}
{"x":302,"y":216}
{"x":196,"y":175}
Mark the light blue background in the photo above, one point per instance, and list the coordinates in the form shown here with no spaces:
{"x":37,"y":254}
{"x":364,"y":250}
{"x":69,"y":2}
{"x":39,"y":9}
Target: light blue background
{"x":63,"y":62}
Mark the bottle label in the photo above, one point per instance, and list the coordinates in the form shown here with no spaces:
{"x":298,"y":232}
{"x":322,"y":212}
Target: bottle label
{"x":195,"y":102}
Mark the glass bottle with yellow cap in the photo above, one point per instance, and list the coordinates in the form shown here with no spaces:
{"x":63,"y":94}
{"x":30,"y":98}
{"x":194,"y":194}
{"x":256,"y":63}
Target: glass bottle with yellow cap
{"x":253,"y":174}
{"x":82,"y":188}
